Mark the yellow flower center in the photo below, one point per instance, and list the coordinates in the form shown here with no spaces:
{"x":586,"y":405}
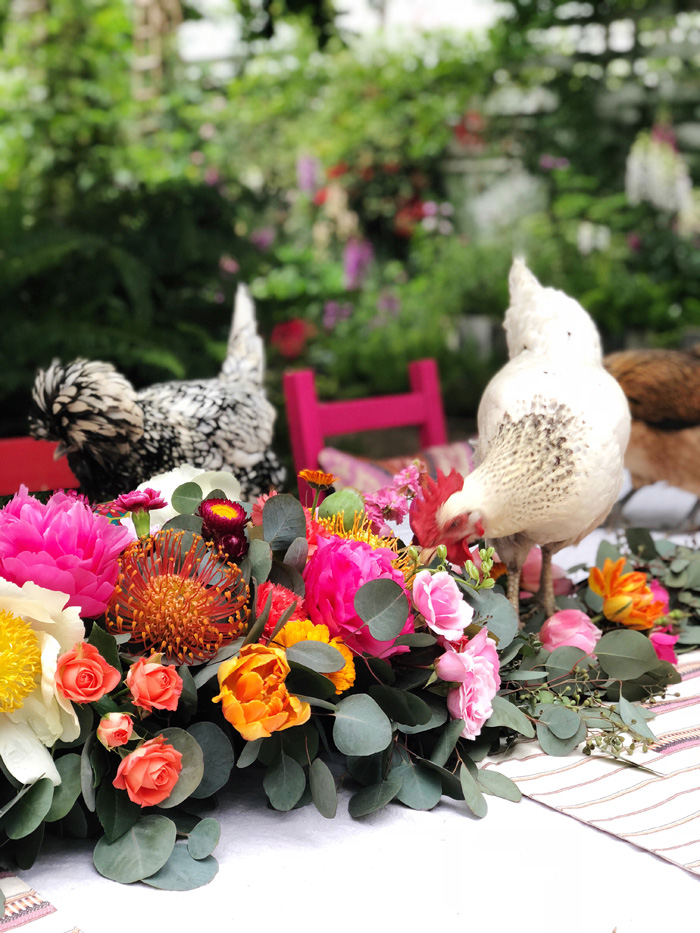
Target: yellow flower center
{"x":20,"y":661}
{"x":225,"y":511}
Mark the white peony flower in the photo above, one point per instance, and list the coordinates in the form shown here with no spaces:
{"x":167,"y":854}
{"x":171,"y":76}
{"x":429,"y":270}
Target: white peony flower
{"x":167,"y":483}
{"x":36,"y":627}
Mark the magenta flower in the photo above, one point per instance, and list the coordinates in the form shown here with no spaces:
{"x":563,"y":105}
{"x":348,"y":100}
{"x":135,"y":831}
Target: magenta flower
{"x":660,"y":594}
{"x":140,"y":500}
{"x":357,"y":258}
{"x":223,"y":522}
{"x":386,"y":505}
{"x":308,"y":174}
{"x":61,"y":545}
{"x":663,"y":642}
{"x":263,"y":238}
{"x":333,"y":575}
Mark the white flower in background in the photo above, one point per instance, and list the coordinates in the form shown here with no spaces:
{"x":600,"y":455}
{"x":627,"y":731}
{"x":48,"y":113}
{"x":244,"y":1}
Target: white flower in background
{"x":689,"y":216}
{"x":167,"y":483}
{"x":591,"y":237}
{"x":656,"y":172}
{"x":35,"y":629}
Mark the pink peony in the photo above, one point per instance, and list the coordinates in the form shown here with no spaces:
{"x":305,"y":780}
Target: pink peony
{"x":438,"y":599}
{"x":476,"y":669}
{"x":63,"y":546}
{"x":663,"y":642}
{"x":333,"y":575}
{"x":532,"y":569}
{"x":660,"y":594}
{"x":569,"y":628}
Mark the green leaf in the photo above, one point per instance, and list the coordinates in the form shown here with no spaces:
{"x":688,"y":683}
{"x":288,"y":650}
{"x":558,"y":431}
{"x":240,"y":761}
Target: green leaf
{"x":188,"y":698}
{"x":68,"y":791}
{"x":373,"y":798}
{"x":641,"y":543}
{"x":182,"y":872}
{"x":606,"y":550}
{"x":508,"y":715}
{"x":563,"y":722}
{"x":187,"y":498}
{"x":555,"y":746}
{"x":283,"y":521}
{"x":319,"y":657}
{"x":451,"y":785}
{"x":139,"y":852}
{"x":302,"y":680}
{"x":29,"y":812}
{"x":284,"y":782}
{"x":260,"y":557}
{"x":211,"y":669}
{"x":438,"y":715}
{"x":27,"y":848}
{"x":498,"y":785}
{"x":106,"y":644}
{"x":258,"y":626}
{"x":347,"y":501}
{"x":218,"y":757}
{"x":631,"y":716}
{"x":401,"y":706}
{"x":416,"y":640}
{"x":494,"y":611}
{"x":192,"y":766}
{"x":115,"y":811}
{"x":297,"y":554}
{"x":287,"y":577}
{"x":421,"y":788}
{"x":87,"y":772}
{"x":446,"y":742}
{"x":473,"y":797}
{"x":383,"y":606}
{"x":191,"y":523}
{"x":624,"y":655}
{"x":249,"y":753}
{"x":204,"y":838}
{"x":323,"y":791}
{"x":360,"y":727}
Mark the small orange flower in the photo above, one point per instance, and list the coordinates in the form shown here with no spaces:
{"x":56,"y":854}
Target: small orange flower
{"x":253,"y":696}
{"x":626,"y":596}
{"x":304,"y":630}
{"x":317,"y":479}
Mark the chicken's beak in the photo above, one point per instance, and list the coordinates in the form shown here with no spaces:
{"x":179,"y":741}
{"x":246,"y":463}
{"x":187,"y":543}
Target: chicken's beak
{"x":426,"y":555}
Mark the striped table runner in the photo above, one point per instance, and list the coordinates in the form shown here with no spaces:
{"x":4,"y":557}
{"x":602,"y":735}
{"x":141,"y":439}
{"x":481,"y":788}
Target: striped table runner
{"x":659,"y":812}
{"x":24,"y":905}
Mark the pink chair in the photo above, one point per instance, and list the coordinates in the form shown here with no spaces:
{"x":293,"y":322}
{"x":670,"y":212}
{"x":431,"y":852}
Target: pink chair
{"x":311,"y":421}
{"x":24,"y":460}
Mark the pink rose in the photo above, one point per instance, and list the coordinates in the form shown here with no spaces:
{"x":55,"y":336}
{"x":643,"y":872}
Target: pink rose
{"x":83,"y":675}
{"x":154,"y":685}
{"x":115,"y":729}
{"x":532,"y":569}
{"x":476,"y":669}
{"x":333,"y":575}
{"x":438,"y":599}
{"x":149,"y":774}
{"x":663,"y":642}
{"x":570,"y":628}
{"x":660,"y":594}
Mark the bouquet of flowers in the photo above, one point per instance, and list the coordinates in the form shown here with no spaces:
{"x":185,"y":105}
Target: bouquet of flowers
{"x":151,"y":644}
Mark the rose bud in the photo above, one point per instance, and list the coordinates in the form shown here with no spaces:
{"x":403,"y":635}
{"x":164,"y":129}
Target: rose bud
{"x":115,"y":729}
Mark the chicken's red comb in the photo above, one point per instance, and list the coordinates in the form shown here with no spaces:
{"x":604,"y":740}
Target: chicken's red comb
{"x":425,"y":505}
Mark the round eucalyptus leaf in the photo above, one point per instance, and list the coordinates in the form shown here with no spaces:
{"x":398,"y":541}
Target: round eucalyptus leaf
{"x":182,"y":872}
{"x":383,"y":605}
{"x":188,"y":523}
{"x":68,"y":791}
{"x":508,"y":715}
{"x":625,"y":655}
{"x":563,"y":722}
{"x":139,"y":852}
{"x":260,"y":557}
{"x":421,"y":788}
{"x":400,"y":705}
{"x":360,"y":728}
{"x":323,"y":791}
{"x":283,"y":521}
{"x":284,"y":783}
{"x":192,"y":766}
{"x":373,"y":798}
{"x":30,"y":811}
{"x":555,"y":746}
{"x":204,"y":838}
{"x":187,"y":498}
{"x":218,"y":757}
{"x":324,"y":659}
{"x":438,"y":715}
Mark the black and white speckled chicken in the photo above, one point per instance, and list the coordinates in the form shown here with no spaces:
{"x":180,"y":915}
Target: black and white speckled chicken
{"x":115,"y":437}
{"x":553,"y":427}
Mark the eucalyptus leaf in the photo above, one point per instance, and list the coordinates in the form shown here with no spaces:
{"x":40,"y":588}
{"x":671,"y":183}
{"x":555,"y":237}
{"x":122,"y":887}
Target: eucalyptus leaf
{"x":218,"y":757}
{"x":297,"y":554}
{"x":250,"y":753}
{"x":204,"y":838}
{"x":498,"y":785}
{"x":421,"y":788}
{"x":188,"y":697}
{"x":68,"y":791}
{"x":416,"y":640}
{"x":302,"y":680}
{"x":115,"y":811}
{"x":26,"y":849}
{"x":30,"y":811}
{"x":641,"y":543}
{"x":446,"y":742}
{"x":563,"y":722}
{"x":451,"y":785}
{"x":260,"y":558}
{"x":624,"y":655}
{"x":508,"y":715}
{"x":438,"y":715}
{"x":287,"y":577}
{"x":400,"y":705}
{"x":473,"y":797}
{"x":383,"y":606}
{"x":634,"y":719}
{"x":106,"y":644}
{"x":606,"y":550}
{"x":192,"y":766}
{"x":187,"y":498}
{"x":319,"y":657}
{"x":283,"y":521}
{"x":284,"y":783}
{"x":323,"y":791}
{"x":360,"y":727}
{"x":139,"y":852}
{"x":555,"y":746}
{"x":493,"y":610}
{"x":373,"y":798}
{"x":87,"y":774}
{"x":188,"y":523}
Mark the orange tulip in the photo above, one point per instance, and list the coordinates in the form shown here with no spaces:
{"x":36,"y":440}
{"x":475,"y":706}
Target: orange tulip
{"x":626,"y":596}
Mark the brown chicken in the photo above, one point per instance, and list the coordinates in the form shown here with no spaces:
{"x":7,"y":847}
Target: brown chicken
{"x":663,"y":391}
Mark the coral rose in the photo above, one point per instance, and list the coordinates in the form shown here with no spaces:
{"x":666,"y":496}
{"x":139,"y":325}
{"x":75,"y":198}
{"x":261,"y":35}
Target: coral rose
{"x":438,"y":599}
{"x":569,"y":628}
{"x":115,"y":729}
{"x":83,"y":675}
{"x":476,"y":669}
{"x":337,"y":570}
{"x":154,"y":685}
{"x":150,"y":773}
{"x":253,"y":696}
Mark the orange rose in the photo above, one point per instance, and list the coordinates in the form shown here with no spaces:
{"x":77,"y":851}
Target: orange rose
{"x":149,"y":774}
{"x":83,"y":675}
{"x":253,"y":696}
{"x":154,"y":685}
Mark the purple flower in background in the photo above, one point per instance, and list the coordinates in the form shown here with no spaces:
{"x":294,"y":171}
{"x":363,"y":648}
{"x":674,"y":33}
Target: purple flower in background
{"x":228,"y":265}
{"x":334,"y":311}
{"x":430,"y":208}
{"x":634,"y":241}
{"x":664,"y":133}
{"x":388,"y":303}
{"x":548,"y":162}
{"x":308,"y":174}
{"x":357,"y":258}
{"x":211,"y":177}
{"x":263,"y":238}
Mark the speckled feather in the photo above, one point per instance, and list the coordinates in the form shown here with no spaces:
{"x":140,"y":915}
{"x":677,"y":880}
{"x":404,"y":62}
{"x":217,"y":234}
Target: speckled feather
{"x":117,"y":437}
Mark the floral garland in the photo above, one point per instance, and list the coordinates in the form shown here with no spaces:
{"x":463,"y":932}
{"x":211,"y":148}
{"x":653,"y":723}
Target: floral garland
{"x":148,"y":644}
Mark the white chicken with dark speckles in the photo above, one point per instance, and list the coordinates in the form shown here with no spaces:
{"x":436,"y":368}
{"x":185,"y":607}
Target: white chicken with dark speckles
{"x":553,"y":428}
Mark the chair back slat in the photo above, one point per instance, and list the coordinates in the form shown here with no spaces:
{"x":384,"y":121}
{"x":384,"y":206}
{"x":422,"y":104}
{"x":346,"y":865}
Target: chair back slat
{"x":24,"y":460}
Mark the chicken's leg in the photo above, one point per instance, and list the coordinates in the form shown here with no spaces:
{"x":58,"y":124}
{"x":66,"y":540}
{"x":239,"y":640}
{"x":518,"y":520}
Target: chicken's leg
{"x":545,"y":594}
{"x":514,"y":587}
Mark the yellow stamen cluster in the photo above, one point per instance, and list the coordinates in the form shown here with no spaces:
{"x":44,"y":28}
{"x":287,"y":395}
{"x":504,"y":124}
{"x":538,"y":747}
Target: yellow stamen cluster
{"x":20,"y":661}
{"x":225,"y":511}
{"x":361,"y":530}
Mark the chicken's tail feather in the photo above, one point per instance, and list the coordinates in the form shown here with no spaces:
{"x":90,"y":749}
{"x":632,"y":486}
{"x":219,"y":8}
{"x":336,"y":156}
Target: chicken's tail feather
{"x":245,"y":354}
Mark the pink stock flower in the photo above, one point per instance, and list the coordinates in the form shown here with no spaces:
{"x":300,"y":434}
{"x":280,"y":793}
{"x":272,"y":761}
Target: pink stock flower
{"x":333,"y":575}
{"x":530,"y":576}
{"x":476,"y":669}
{"x":569,"y":628}
{"x":663,"y":642}
{"x":257,"y":510}
{"x":63,"y":546}
{"x":140,"y":500}
{"x":438,"y":599}
{"x":386,"y":505}
{"x":660,"y":594}
{"x":408,"y":480}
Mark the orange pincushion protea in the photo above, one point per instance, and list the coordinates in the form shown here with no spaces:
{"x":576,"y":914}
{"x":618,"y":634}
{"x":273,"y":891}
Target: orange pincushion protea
{"x":253,"y":695}
{"x":626,"y":596}
{"x":183,"y":603}
{"x":304,"y":630}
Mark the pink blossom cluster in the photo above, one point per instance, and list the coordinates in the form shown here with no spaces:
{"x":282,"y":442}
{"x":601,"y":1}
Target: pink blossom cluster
{"x":391,"y":503}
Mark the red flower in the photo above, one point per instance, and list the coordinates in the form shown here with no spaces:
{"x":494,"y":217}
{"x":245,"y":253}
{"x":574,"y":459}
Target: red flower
{"x":280,"y":600}
{"x":290,"y":337}
{"x":320,"y":197}
{"x":340,"y":168}
{"x":422,"y":514}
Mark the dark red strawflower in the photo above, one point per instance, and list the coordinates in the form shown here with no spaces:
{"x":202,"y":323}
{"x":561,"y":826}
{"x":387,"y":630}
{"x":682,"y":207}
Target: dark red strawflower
{"x":223,"y":522}
{"x":432,"y":495}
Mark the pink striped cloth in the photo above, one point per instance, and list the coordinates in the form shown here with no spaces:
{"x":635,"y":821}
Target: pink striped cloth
{"x":24,"y":905}
{"x":659,"y":812}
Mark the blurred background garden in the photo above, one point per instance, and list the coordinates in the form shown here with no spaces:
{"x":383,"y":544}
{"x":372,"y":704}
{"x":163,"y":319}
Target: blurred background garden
{"x":369,"y":177}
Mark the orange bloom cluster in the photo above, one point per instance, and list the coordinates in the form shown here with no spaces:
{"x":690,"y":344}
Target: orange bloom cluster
{"x":304,"y":630}
{"x":626,"y":596}
{"x":253,"y":696}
